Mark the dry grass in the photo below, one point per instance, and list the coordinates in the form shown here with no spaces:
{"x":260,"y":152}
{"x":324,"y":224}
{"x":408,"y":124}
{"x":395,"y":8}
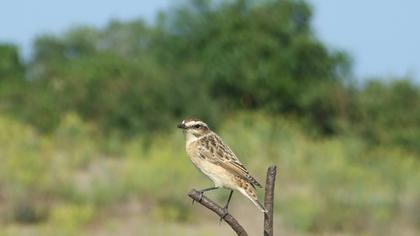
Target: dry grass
{"x":75,"y":182}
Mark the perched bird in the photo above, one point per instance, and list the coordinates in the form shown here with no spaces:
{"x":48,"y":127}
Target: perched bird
{"x":216,"y":160}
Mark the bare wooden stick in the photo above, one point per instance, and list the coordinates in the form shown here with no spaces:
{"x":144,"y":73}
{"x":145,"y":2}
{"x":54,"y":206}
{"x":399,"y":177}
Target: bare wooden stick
{"x":269,"y":200}
{"x":209,"y":204}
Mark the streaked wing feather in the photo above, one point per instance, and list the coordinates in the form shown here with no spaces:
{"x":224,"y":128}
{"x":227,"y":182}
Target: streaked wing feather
{"x":215,"y":151}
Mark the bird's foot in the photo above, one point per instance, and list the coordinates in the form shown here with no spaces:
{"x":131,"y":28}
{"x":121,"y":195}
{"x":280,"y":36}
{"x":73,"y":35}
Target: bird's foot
{"x":200,"y":197}
{"x":225,"y":213}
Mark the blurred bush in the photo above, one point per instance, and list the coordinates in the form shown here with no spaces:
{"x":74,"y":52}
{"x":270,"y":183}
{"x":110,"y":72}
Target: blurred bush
{"x":390,"y":113}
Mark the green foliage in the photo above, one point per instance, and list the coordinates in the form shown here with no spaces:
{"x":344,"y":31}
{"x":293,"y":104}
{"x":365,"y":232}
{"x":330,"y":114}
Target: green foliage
{"x":11,"y":68}
{"x":255,"y":56}
{"x":119,"y":89}
{"x":390,"y":113}
{"x":11,"y":77}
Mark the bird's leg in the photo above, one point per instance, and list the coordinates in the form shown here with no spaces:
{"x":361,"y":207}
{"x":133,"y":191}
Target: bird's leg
{"x":225,"y":209}
{"x":202,"y":191}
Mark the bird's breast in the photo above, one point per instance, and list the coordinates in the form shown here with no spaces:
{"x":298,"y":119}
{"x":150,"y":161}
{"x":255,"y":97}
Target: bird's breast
{"x":216,"y":173}
{"x":193,"y":154}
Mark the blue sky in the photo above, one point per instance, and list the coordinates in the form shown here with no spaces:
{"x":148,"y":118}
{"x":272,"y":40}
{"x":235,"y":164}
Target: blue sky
{"x":383,"y":37}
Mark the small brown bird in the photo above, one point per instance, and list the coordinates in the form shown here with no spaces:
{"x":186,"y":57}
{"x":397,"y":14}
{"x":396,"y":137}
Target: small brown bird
{"x":217,"y":161}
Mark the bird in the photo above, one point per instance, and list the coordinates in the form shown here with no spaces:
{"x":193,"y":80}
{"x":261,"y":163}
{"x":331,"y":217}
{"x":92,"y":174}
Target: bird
{"x":216,"y":160}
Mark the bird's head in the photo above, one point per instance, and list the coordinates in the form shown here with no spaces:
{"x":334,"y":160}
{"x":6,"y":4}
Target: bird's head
{"x":194,"y":127}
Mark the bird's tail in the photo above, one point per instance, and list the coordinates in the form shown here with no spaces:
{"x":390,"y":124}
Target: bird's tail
{"x":249,"y":191}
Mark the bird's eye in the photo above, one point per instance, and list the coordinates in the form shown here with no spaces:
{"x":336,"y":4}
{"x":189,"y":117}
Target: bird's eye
{"x":197,"y":126}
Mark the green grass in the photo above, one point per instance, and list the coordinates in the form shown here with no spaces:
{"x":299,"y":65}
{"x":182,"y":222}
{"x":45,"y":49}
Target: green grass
{"x":72,"y":180}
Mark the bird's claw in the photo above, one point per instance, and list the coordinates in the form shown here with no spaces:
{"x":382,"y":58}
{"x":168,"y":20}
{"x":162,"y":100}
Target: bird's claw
{"x":199,"y":199}
{"x":225,"y":210}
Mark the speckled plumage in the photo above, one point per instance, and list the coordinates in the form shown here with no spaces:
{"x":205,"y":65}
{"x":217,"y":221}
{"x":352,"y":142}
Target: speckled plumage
{"x":216,"y":160}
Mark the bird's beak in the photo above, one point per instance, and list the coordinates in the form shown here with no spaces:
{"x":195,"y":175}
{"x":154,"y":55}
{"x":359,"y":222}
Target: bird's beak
{"x":181,"y":125}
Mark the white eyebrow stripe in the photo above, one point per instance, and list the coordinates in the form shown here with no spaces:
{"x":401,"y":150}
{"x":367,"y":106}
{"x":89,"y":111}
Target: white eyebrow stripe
{"x":195,"y":122}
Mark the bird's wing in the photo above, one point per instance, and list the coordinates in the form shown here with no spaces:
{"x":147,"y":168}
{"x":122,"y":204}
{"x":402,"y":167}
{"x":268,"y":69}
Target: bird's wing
{"x":214,"y":150}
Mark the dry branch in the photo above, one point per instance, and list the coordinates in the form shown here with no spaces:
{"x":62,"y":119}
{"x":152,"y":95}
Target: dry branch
{"x":269,"y":200}
{"x":209,"y":204}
